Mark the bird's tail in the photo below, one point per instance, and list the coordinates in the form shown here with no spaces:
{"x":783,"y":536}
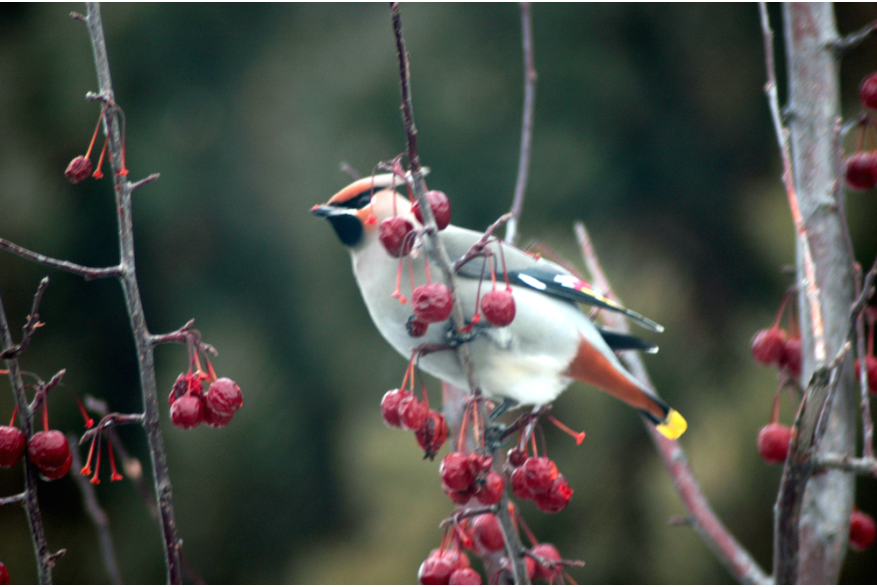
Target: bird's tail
{"x":673,"y":425}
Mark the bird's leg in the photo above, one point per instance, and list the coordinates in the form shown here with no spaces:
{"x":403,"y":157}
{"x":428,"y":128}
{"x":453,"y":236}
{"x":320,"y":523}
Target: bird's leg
{"x":472,"y":331}
{"x":495,"y":432}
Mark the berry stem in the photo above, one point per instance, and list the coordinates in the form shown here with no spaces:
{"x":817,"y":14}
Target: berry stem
{"x":45,"y":414}
{"x":579,"y":436}
{"x":14,"y":413}
{"x":96,"y":129}
{"x":115,"y":473}
{"x":86,"y":470}
{"x":95,"y":480}
{"x":100,"y":162}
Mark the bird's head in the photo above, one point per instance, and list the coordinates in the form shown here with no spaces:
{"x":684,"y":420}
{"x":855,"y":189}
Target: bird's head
{"x":357,"y":211}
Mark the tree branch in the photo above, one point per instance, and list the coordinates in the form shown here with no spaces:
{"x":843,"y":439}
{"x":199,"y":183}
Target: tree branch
{"x":418,"y":187}
{"x":716,"y":536}
{"x":527,"y":124}
{"x":87,"y":272}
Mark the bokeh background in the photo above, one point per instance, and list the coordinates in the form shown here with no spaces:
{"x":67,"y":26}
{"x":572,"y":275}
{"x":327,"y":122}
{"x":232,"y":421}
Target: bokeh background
{"x":651,"y":127}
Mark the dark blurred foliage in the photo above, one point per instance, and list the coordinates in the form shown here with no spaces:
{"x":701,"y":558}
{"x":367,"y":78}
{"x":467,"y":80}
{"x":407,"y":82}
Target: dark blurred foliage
{"x":651,"y":126}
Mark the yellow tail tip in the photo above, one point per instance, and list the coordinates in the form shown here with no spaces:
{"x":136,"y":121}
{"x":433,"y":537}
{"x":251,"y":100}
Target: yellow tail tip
{"x":673,"y":426}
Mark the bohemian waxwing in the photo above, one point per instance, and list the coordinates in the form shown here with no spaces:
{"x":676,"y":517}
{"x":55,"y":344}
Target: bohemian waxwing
{"x":551,"y":340}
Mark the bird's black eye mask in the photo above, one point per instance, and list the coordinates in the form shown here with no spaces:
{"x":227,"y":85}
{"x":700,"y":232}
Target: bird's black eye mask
{"x":358,"y":202}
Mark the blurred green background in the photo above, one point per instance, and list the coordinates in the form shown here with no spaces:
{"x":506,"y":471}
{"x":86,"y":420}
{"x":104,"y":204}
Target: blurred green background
{"x":651,"y":127}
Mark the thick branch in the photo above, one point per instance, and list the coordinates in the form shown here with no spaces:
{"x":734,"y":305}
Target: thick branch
{"x":716,"y":536}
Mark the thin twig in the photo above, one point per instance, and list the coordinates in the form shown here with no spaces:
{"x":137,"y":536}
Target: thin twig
{"x":98,"y":518}
{"x":86,"y":272}
{"x":477,"y":249}
{"x":418,"y":187}
{"x":30,"y":326}
{"x":111,"y":421}
{"x":853,"y":40}
{"x":148,"y":179}
{"x":782,"y":134}
{"x":13,"y":499}
{"x":25,"y":417}
{"x":527,"y":123}
{"x":716,"y":536}
{"x":113,"y":126}
{"x":864,"y":466}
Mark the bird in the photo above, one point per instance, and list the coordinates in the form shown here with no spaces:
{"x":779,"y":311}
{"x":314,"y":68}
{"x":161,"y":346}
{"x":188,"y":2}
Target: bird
{"x":550,"y":342}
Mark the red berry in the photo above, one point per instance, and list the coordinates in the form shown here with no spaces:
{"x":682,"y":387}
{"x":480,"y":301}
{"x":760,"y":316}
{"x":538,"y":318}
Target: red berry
{"x":458,"y":559}
{"x":224,"y":397}
{"x":413,"y":413}
{"x":773,"y":443}
{"x":181,"y":386}
{"x":435,"y":570}
{"x":871,"y":366}
{"x":466,"y":576}
{"x":549,"y":553}
{"x":791,"y":360}
{"x":860,"y":172}
{"x":461,"y":497}
{"x":432,"y":302}
{"x":397,"y":236}
{"x":12,"y":445}
{"x":487,"y":533}
{"x":539,"y":474}
{"x":557,"y":498}
{"x":767,"y":346}
{"x":457,"y":471}
{"x":516,"y":456}
{"x":862,"y":530}
{"x":491,"y":492}
{"x":53,"y":473}
{"x":498,"y":307}
{"x":4,"y":575}
{"x":415,"y":327}
{"x":215,"y":420}
{"x":78,"y":170}
{"x":519,"y":485}
{"x":48,"y":450}
{"x":390,"y":407}
{"x":441,"y":208}
{"x":868,"y":91}
{"x":433,"y":434}
{"x":187,"y":412}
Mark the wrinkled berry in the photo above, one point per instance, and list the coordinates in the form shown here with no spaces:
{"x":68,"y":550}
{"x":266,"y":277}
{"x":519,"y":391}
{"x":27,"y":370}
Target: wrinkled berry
{"x":413,"y":413}
{"x":48,"y":450}
{"x":487,"y":533}
{"x":457,"y":471}
{"x":466,"y":576}
{"x":440,"y":206}
{"x":768,"y":345}
{"x":868,"y":91}
{"x":773,"y":443}
{"x":390,"y":407}
{"x":397,"y":236}
{"x":53,"y":473}
{"x":432,"y":302}
{"x":491,"y":492}
{"x":187,"y":412}
{"x":539,"y":474}
{"x":12,"y":445}
{"x":519,"y":485}
{"x":498,"y":307}
{"x":433,"y":434}
{"x":215,"y":420}
{"x":435,"y":570}
{"x":862,"y":530}
{"x":78,"y":170}
{"x":557,"y":498}
{"x":516,"y":456}
{"x":860,"y":171}
{"x":791,"y":360}
{"x":415,"y":327}
{"x":224,"y":397}
{"x":460,"y":497}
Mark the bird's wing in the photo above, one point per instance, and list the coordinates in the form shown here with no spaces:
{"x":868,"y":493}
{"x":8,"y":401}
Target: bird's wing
{"x":536,"y":273}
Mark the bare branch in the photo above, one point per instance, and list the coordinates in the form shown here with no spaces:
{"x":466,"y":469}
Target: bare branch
{"x":716,"y":536}
{"x":852,"y":40}
{"x":864,"y":466}
{"x":87,"y":272}
{"x":30,"y":326}
{"x":527,"y":123}
{"x":418,"y":187}
{"x":148,"y":179}
{"x":98,"y":518}
{"x":13,"y":499}
{"x":111,"y":420}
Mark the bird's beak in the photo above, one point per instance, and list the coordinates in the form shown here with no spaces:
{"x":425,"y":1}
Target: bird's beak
{"x":324,"y":211}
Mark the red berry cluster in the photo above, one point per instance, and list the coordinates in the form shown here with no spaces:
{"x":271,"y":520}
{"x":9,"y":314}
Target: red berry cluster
{"x":773,"y":347}
{"x":191,"y":405}
{"x":537,"y":478}
{"x":860,"y":168}
{"x":466,"y":476}
{"x":402,"y":409}
{"x":447,"y":567}
{"x":862,"y":530}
